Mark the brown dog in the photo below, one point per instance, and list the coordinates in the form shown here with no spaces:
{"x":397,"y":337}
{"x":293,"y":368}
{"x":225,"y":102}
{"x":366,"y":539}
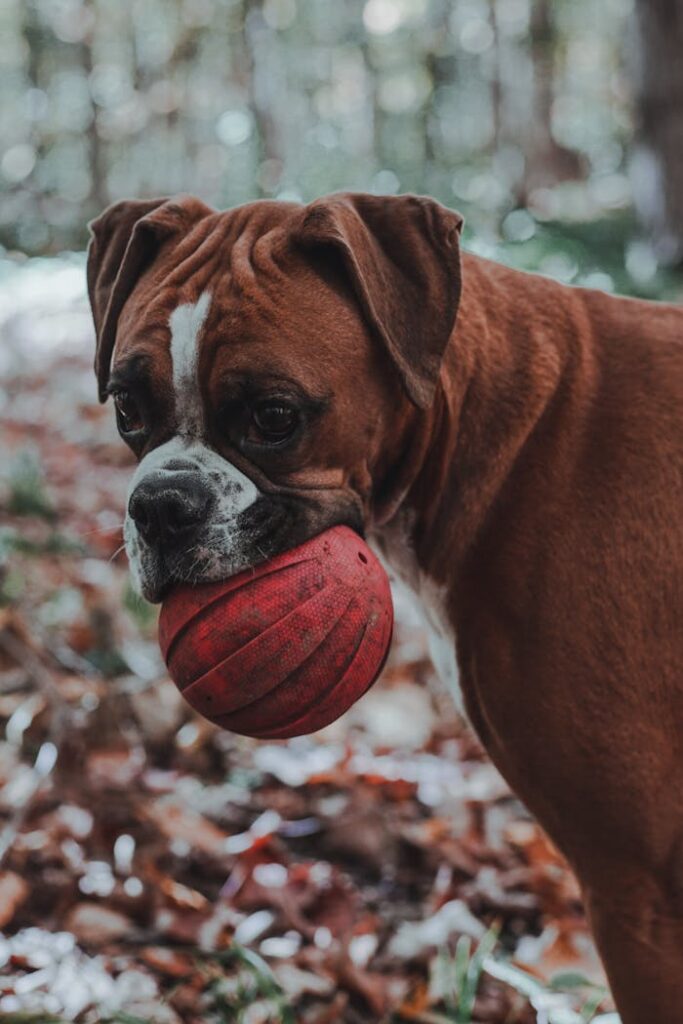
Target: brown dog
{"x":513,"y":446}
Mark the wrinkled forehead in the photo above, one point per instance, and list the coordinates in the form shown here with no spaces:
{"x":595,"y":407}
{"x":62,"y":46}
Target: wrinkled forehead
{"x":234,"y":293}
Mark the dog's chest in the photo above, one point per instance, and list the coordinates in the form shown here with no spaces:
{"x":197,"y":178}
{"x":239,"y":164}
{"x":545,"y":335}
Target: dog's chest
{"x":394,"y":549}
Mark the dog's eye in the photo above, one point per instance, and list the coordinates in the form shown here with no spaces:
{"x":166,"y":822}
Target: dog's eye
{"x":130,"y":418}
{"x":274,"y":420}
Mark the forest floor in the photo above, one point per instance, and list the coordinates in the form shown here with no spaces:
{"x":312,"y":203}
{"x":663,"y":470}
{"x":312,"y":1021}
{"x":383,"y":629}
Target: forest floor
{"x":156,"y":869}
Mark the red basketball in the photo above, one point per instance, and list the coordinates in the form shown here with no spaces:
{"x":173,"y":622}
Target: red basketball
{"x":286,"y":647}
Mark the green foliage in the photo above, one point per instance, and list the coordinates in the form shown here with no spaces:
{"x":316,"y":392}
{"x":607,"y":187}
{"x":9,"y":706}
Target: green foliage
{"x":27,"y":495}
{"x":142,"y":612}
{"x":12,"y":586}
{"x":126,"y":1018}
{"x":252,"y":982}
{"x":55,"y":543}
{"x":107,"y":661}
{"x":572,"y":984}
{"x":592,"y":253}
{"x":592,"y":994}
{"x":461,"y":974}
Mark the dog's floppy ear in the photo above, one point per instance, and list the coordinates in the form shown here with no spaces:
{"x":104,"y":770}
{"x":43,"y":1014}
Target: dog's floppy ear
{"x":402,"y":257}
{"x":124,"y":241}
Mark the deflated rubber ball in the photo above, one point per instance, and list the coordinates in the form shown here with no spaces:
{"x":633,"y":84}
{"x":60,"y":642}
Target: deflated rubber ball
{"x":284,"y":648}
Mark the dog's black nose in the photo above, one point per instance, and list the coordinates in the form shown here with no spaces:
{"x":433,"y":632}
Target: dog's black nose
{"x":167,"y":510}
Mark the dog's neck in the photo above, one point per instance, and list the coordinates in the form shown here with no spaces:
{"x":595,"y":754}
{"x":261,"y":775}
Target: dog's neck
{"x":506,"y":370}
{"x":508,"y":365}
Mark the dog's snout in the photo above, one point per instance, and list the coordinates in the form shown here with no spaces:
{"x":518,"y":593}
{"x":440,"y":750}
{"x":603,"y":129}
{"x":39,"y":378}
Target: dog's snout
{"x":168,"y":511}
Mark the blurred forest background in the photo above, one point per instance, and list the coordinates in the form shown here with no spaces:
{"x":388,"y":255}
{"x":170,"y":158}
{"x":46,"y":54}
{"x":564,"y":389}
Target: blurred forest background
{"x":554,"y":125}
{"x":153,"y":869}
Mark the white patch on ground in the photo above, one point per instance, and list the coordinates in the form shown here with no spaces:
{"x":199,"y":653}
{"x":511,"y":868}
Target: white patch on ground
{"x":415,"y":937}
{"x":69,"y":981}
{"x":44,"y":315}
{"x":186,"y":322}
{"x":393,"y":546}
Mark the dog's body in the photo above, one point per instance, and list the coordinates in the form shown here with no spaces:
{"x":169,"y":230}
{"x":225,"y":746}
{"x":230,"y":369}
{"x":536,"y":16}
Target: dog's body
{"x":288,"y":368}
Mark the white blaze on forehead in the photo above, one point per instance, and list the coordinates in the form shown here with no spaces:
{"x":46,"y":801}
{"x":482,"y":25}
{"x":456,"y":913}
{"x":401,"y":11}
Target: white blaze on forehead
{"x":186,"y":322}
{"x":222,"y":544}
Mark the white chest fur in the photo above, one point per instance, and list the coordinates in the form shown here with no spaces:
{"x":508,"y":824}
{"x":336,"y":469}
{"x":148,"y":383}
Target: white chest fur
{"x":393,"y":547}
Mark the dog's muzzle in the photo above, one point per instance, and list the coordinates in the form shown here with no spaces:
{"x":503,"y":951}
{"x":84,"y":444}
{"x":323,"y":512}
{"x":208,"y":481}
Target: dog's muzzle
{"x":168,"y":509}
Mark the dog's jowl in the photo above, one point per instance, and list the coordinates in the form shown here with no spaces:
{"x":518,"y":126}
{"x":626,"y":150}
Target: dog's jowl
{"x":513,"y":446}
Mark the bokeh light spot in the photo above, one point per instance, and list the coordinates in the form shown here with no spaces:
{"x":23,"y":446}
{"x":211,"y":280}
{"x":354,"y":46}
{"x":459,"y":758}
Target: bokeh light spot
{"x":18,"y":162}
{"x":234,"y":127}
{"x":476,"y":36}
{"x":382,"y":16}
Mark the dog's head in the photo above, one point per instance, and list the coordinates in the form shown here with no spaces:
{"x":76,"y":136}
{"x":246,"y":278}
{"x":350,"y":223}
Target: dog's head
{"x":265,"y":364}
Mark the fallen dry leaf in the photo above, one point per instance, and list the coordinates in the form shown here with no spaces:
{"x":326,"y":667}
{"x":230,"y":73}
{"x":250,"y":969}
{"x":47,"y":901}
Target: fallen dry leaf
{"x":180,"y":823}
{"x":94,"y":924}
{"x":13,"y":892}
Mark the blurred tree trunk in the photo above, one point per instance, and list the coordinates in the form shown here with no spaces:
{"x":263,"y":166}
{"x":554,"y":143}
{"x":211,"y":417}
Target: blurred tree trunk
{"x":34,"y":39}
{"x":657,"y":158}
{"x":547,"y":162}
{"x":97,"y":163}
{"x":375,"y":111}
{"x":496,"y":79}
{"x":253,"y":77}
{"x":439,"y":67}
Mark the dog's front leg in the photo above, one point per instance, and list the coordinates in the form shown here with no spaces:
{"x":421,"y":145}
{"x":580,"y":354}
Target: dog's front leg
{"x":642,"y":948}
{"x":595,"y":756}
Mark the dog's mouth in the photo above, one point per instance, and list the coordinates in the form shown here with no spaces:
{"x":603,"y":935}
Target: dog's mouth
{"x":219,"y":550}
{"x":272,"y":525}
{"x":160,"y":576}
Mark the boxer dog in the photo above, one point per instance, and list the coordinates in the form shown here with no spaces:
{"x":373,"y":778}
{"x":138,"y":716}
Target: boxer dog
{"x":513,"y":446}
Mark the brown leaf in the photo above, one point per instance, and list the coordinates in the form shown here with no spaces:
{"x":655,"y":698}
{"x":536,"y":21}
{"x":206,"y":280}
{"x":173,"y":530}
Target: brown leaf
{"x":95,"y":924}
{"x":179,"y":822}
{"x":13,"y":891}
{"x":332,"y":1013}
{"x":371,"y":987}
{"x":551,"y":877}
{"x":182,"y":895}
{"x":167,"y":961}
